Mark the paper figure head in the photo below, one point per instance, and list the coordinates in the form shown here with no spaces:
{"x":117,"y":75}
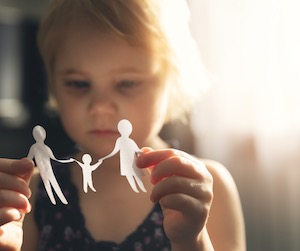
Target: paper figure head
{"x":86,"y":158}
{"x":39,"y":133}
{"x":125,"y":127}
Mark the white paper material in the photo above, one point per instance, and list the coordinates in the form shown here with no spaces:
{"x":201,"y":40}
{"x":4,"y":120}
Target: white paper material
{"x":124,"y":144}
{"x":87,"y":170}
{"x":128,"y":150}
{"x":43,"y":155}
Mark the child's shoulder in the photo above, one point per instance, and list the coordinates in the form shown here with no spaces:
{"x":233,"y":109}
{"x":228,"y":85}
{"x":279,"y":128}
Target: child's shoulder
{"x":224,"y":186}
{"x":219,"y":172}
{"x":226,"y":210}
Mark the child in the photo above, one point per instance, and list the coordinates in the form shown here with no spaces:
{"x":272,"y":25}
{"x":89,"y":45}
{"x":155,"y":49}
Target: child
{"x":109,"y":60}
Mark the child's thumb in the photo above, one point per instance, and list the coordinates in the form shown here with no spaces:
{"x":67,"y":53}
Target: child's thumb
{"x":140,"y":163}
{"x":22,"y":168}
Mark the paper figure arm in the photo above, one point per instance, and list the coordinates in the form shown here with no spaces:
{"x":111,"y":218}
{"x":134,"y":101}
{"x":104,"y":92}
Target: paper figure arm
{"x":82,"y":164}
{"x":99,"y":162}
{"x":51,"y":156}
{"x":114,"y":151}
{"x":134,"y":147}
{"x":72,"y":160}
{"x":50,"y":153}
{"x":30,"y":154}
{"x":65,"y":160}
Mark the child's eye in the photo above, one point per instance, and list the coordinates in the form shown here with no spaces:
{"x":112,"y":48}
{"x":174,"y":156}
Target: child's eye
{"x":124,"y":84}
{"x":78,"y":84}
{"x":128,"y":86}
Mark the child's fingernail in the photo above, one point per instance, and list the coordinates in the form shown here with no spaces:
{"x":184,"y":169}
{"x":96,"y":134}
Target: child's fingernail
{"x":28,"y":209}
{"x":29,"y":193}
{"x":16,"y":214}
{"x":139,"y":161}
{"x":138,"y":153}
{"x":27,"y":162}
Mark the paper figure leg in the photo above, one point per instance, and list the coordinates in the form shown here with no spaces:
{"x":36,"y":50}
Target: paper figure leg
{"x":58,"y":191}
{"x":140,"y":184}
{"x":49,"y":190}
{"x":132,"y":183}
{"x":91,"y":186}
{"x":90,"y":183}
{"x":85,"y":186}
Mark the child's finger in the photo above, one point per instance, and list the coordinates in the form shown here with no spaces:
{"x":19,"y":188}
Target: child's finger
{"x":201,"y":191}
{"x":190,"y":213}
{"x":14,"y":183}
{"x":180,"y":166}
{"x":9,"y":214}
{"x":170,"y":162}
{"x":139,"y":161}
{"x":22,"y":168}
{"x":14,"y":200}
{"x":151,"y":157}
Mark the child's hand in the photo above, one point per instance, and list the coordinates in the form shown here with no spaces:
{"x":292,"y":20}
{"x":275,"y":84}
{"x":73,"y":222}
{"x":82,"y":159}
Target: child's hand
{"x":184,"y":188}
{"x":14,"y":194}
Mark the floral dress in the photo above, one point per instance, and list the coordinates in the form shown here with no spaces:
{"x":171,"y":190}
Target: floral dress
{"x":62,"y":227}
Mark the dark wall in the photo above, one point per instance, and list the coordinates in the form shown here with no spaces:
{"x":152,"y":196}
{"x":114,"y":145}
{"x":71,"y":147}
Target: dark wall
{"x":15,"y":140}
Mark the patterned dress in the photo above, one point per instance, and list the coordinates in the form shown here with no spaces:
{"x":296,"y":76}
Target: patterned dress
{"x":62,"y":227}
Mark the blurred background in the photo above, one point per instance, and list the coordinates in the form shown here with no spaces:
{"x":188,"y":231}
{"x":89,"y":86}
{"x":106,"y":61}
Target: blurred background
{"x":249,"y":119}
{"x":23,"y":85}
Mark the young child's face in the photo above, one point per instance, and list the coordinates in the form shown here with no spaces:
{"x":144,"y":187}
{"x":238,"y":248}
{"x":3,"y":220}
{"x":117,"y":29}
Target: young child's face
{"x":100,"y":79}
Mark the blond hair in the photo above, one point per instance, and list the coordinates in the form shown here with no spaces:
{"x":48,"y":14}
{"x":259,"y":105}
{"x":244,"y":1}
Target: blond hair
{"x":155,"y":25}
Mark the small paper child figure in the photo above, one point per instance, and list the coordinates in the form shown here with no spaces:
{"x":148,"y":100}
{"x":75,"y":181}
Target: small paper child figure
{"x":87,"y":170}
{"x":128,"y":150}
{"x":43,"y":155}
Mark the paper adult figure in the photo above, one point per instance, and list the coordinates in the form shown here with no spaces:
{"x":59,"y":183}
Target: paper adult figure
{"x":128,"y":150}
{"x":43,"y":155}
{"x":87,"y":170}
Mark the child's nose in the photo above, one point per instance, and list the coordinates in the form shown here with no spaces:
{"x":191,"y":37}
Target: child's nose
{"x":102,"y":103}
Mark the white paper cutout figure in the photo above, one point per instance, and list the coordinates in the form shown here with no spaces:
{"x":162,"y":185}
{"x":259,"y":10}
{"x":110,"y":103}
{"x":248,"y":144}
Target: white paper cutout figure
{"x":43,"y":155}
{"x":128,"y":150}
{"x":124,"y":144}
{"x":87,"y":170}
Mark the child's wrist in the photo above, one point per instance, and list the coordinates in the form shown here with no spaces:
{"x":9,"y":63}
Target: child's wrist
{"x":201,"y":243}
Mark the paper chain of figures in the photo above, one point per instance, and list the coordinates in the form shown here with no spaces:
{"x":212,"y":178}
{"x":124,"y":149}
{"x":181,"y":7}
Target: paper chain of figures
{"x":124,"y":144}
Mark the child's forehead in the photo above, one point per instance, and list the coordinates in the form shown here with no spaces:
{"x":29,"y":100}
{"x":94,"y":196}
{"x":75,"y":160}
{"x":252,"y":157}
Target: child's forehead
{"x":135,"y":26}
{"x":84,"y":27}
{"x":81,"y":44}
